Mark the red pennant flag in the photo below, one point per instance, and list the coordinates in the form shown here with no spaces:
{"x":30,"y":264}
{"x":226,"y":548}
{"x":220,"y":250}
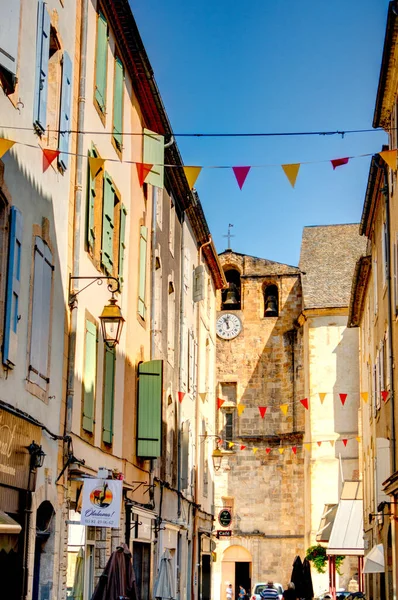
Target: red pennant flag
{"x":263,"y":410}
{"x":181,"y":396}
{"x":294,"y":449}
{"x":343,"y":398}
{"x":48,"y":157}
{"x":345,"y":442}
{"x":143,"y":169}
{"x":304,"y":402}
{"x":268,"y":450}
{"x":220,"y":402}
{"x":241,"y":174}
{"x":338,"y":162}
{"x":242,"y":447}
{"x":319,"y":444}
{"x":384,"y":395}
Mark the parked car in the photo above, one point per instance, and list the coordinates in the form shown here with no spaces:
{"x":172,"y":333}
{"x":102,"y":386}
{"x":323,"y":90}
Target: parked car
{"x":258,"y":588}
{"x":340,"y":595}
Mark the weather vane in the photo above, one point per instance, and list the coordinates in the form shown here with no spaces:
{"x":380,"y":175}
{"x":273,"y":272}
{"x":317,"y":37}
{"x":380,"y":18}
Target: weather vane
{"x":229,"y":235}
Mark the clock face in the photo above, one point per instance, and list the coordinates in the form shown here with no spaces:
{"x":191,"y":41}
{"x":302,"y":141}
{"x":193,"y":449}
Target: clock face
{"x":228,"y":326}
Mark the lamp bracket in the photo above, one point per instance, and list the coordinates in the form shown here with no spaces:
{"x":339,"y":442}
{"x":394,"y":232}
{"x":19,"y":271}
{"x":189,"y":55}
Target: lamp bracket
{"x":113,"y":286}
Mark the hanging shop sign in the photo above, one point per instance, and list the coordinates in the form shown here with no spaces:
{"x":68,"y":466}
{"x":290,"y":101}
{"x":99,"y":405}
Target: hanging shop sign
{"x":224,"y":533}
{"x":225,"y":517}
{"x":102,"y":499}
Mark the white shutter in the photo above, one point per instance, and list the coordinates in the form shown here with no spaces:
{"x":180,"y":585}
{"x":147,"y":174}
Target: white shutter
{"x":382,"y":468}
{"x":198,"y":292}
{"x":9,"y":34}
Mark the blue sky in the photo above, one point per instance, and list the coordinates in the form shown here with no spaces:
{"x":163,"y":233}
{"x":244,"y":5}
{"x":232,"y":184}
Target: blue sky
{"x":268,"y":66}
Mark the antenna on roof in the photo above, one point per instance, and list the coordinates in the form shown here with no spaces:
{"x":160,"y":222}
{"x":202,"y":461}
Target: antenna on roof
{"x":229,"y":236}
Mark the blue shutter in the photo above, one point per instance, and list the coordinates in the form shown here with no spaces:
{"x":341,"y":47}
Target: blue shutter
{"x":109,"y":394}
{"x":13,"y":287}
{"x":101,"y":56}
{"x":108,"y":224}
{"x":65,"y":114}
{"x":90,"y":230}
{"x":149,"y":418}
{"x":9,"y":35}
{"x":89,"y":377}
{"x":42,"y":57}
{"x":40,"y":326}
{"x":122,"y":242}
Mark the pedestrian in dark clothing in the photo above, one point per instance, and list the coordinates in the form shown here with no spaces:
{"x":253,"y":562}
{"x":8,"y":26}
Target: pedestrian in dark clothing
{"x":290,"y":592}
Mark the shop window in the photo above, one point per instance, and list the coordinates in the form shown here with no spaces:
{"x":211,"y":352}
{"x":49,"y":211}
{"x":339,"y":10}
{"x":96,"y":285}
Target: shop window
{"x":231,"y":295}
{"x":271,"y":301}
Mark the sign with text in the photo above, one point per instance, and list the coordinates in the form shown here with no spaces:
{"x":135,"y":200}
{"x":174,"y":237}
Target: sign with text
{"x":224,"y":533}
{"x":102,"y":499}
{"x":225,"y":517}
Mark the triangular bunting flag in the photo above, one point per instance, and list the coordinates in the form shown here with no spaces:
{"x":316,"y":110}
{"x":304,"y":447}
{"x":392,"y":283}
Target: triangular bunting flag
{"x":220,"y":402}
{"x":343,"y":398}
{"x":203,"y":396}
{"x":358,"y":439}
{"x":384,"y":395}
{"x":281,"y":450}
{"x":255,"y":450}
{"x":319,"y":444}
{"x":365,"y":396}
{"x":95,"y":165}
{"x":230,"y":444}
{"x":344,"y":441}
{"x":390,"y":157}
{"x":307,"y":446}
{"x":192,"y":173}
{"x":294,"y":449}
{"x":241,"y":174}
{"x":48,"y":157}
{"x":284,"y":408}
{"x":241,"y":408}
{"x":5,"y":145}
{"x":242,"y":447}
{"x":143,"y":169}
{"x":322,"y":396}
{"x":331,"y":442}
{"x":181,"y":396}
{"x":268,"y":450}
{"x":304,"y":402}
{"x":263,"y":410}
{"x":291,"y":172}
{"x":338,"y":162}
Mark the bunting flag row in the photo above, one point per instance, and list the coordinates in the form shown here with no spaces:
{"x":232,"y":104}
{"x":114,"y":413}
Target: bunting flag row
{"x":192,"y":173}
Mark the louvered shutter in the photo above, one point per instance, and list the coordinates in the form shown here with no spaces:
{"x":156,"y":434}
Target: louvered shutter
{"x":89,"y":376}
{"x":40,"y":326}
{"x":198,"y":292}
{"x":9,"y":34}
{"x":122,"y":242}
{"x":118,"y":103}
{"x":149,"y":418}
{"x":142,"y":280}
{"x":109,"y":395}
{"x":184,"y":454}
{"x":90,"y":230}
{"x":10,"y":340}
{"x":42,"y":58}
{"x":65,"y":114}
{"x":101,"y":62}
{"x":108,"y":224}
{"x":153,"y":154}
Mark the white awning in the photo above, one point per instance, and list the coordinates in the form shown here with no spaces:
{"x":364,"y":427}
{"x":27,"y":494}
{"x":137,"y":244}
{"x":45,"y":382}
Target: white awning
{"x":7,"y":525}
{"x":347,"y":533}
{"x":374,"y":560}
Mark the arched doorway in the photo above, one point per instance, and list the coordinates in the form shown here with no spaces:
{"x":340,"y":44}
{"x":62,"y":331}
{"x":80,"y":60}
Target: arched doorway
{"x":44,"y":552}
{"x":236,"y":568}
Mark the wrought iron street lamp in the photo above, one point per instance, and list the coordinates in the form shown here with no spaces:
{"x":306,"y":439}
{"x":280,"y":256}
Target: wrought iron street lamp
{"x":37,"y":456}
{"x":216,"y":457}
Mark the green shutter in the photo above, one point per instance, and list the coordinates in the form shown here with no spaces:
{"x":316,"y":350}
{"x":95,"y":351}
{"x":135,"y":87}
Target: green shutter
{"x":90,"y":231}
{"x":100,"y":62}
{"x":109,"y":394}
{"x":89,"y":376}
{"x":142,"y":281}
{"x":154,"y":155}
{"x":122,"y":243}
{"x":149,"y":421}
{"x":108,"y":224}
{"x":118,"y":103}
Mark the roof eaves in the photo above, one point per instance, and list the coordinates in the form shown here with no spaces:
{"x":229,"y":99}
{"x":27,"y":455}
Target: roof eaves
{"x":381,"y":114}
{"x":372,"y":189}
{"x":358,"y":290}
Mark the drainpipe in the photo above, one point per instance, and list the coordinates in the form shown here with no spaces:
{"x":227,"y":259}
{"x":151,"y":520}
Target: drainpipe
{"x":26,"y":534}
{"x":181,"y":357}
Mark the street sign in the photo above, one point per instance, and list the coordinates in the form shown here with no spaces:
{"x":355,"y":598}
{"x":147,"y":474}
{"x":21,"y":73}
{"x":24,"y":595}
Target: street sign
{"x":224,"y":533}
{"x":225,"y":517}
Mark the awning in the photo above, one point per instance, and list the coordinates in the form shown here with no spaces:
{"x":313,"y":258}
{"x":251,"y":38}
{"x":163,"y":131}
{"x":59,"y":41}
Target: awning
{"x":327,"y":520}
{"x":374,"y":560}
{"x":347,"y":532}
{"x":8,"y":526}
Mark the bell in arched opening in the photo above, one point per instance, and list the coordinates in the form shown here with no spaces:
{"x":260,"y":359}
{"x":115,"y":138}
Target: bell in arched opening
{"x":271,"y":301}
{"x":231,"y":299}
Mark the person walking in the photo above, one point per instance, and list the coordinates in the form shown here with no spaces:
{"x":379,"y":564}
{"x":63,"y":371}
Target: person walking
{"x":269,"y":592}
{"x":229,"y":592}
{"x":242,"y":593}
{"x":290,"y":592}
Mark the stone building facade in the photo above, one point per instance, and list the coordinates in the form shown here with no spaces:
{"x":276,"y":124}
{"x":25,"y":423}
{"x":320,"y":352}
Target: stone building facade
{"x":260,"y":422}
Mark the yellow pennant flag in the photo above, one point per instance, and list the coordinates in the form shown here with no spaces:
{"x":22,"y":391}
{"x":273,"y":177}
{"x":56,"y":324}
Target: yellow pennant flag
{"x":358,"y":439}
{"x":241,"y":408}
{"x":322,"y":396}
{"x":192,"y":173}
{"x":281,"y":450}
{"x":203,"y":396}
{"x":284,"y":408}
{"x":230,"y":444}
{"x":5,"y":145}
{"x":95,"y":165}
{"x":307,"y":446}
{"x":390,"y":157}
{"x":255,"y":450}
{"x":291,"y":172}
{"x":331,"y":442}
{"x":365,"y":396}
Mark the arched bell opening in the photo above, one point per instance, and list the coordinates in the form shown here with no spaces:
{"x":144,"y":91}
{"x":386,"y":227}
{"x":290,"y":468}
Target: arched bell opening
{"x":230,"y":296}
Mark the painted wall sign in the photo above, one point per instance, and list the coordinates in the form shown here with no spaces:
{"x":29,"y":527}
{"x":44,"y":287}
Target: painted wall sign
{"x":102,"y":499}
{"x":225,"y":517}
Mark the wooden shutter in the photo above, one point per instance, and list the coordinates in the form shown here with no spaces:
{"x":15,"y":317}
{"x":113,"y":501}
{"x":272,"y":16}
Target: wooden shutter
{"x":65,"y":114}
{"x":153,"y":154}
{"x":9,"y":35}
{"x":109,"y":395}
{"x":184,"y":454}
{"x":10,"y":340}
{"x":198,"y":292}
{"x":89,"y":376}
{"x":101,"y":62}
{"x":42,"y":57}
{"x":142,"y":280}
{"x":149,"y":418}
{"x":90,"y":228}
{"x":118,"y":103}
{"x":40,"y":326}
{"x":122,"y":243}
{"x":108,"y":224}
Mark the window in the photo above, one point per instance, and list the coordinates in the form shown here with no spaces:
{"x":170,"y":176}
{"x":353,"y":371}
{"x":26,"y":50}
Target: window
{"x":271,"y":301}
{"x":158,"y":300}
{"x":89,"y":376}
{"x":10,"y":340}
{"x":149,"y":409}
{"x":142,"y":272}
{"x":184,"y":455}
{"x":229,"y":427}
{"x":158,"y":192}
{"x":118,"y":88}
{"x":101,"y":55}
{"x":375,"y":291}
{"x":171,"y":308}
{"x":42,"y":58}
{"x":109,"y":394}
{"x":9,"y":37}
{"x":172,"y":217}
{"x":384,"y":252}
{"x":41,"y":311}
